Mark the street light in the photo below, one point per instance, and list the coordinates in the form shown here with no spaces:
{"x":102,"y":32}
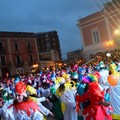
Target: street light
{"x":116,"y":32}
{"x":35,"y":67}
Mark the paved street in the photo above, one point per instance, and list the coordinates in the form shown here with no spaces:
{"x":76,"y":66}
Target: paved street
{"x":50,"y":118}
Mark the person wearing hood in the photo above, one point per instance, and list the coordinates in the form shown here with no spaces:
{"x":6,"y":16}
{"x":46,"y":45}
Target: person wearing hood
{"x":23,"y":108}
{"x":96,"y":110}
{"x":68,"y":98}
{"x":104,"y":73}
{"x":33,"y":96}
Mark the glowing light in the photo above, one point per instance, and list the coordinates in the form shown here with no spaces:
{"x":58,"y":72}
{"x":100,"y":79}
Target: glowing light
{"x":108,"y":54}
{"x":60,"y":64}
{"x":35,"y":65}
{"x":116,"y":32}
{"x":110,"y":42}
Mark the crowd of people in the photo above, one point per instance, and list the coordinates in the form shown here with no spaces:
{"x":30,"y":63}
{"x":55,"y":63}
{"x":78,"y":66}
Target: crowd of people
{"x":107,"y":57}
{"x":89,"y":92}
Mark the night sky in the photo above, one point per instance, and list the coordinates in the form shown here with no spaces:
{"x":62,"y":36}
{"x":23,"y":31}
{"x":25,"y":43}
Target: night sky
{"x":47,"y":15}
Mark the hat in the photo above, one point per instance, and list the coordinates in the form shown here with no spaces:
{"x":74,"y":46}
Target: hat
{"x":75,"y":75}
{"x":95,"y":94}
{"x":60,"y":80}
{"x":53,"y":90}
{"x":16,"y":80}
{"x":112,"y":67}
{"x":102,"y":64}
{"x":66,"y":77}
{"x":31,"y":90}
{"x":20,"y":88}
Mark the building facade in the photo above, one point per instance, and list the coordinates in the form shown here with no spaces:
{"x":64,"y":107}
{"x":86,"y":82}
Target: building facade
{"x":98,"y":30}
{"x":48,"y":48}
{"x":75,"y":56}
{"x":18,"y":52}
{"x":21,"y":51}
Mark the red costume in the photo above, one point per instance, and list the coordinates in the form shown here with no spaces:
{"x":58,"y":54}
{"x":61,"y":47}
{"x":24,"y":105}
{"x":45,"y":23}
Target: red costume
{"x":96,"y":110}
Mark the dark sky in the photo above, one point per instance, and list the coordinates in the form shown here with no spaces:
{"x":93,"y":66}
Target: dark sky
{"x":47,"y":15}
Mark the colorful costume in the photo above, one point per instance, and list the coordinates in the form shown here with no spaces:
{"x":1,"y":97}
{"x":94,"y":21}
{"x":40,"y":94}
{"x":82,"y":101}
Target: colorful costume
{"x":96,"y":110}
{"x":32,"y":91}
{"x":24,"y":110}
{"x":28,"y":110}
{"x":103,"y":79}
{"x":67,"y":97}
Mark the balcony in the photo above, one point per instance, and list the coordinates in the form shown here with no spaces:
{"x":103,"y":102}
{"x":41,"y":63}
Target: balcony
{"x":29,"y":49}
{"x":2,"y":64}
{"x":30,"y":63}
{"x":19,"y":64}
{"x":2,"y":51}
{"x":45,"y":59}
{"x":17,"y":51}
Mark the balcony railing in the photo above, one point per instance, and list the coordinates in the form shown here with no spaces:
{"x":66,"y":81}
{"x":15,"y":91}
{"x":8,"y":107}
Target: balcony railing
{"x":2,"y":64}
{"x":19,"y":64}
{"x":16,"y":51}
{"x":46,"y":59}
{"x":2,"y":50}
{"x":31,"y":62}
{"x":29,"y":49}
{"x":5,"y":64}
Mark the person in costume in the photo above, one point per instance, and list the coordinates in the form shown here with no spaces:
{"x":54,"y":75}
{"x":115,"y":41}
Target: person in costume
{"x":33,"y":95}
{"x":45,"y":92}
{"x":68,"y":98}
{"x":24,"y":108}
{"x":107,"y":95}
{"x":114,"y":91}
{"x":113,"y":69}
{"x":114,"y":100}
{"x":1,"y":106}
{"x":96,"y":110}
{"x":69,"y":83}
{"x":80,"y":74}
{"x":8,"y":98}
{"x":57,"y":111}
{"x":118,"y":65}
{"x":74,"y":76}
{"x":103,"y":76}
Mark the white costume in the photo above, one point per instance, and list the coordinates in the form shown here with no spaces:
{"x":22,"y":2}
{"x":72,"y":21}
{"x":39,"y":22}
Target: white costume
{"x":12,"y":114}
{"x":103,"y":79}
{"x":70,"y":105}
{"x":43,"y":109}
{"x":22,"y":108}
{"x":115,"y":98}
